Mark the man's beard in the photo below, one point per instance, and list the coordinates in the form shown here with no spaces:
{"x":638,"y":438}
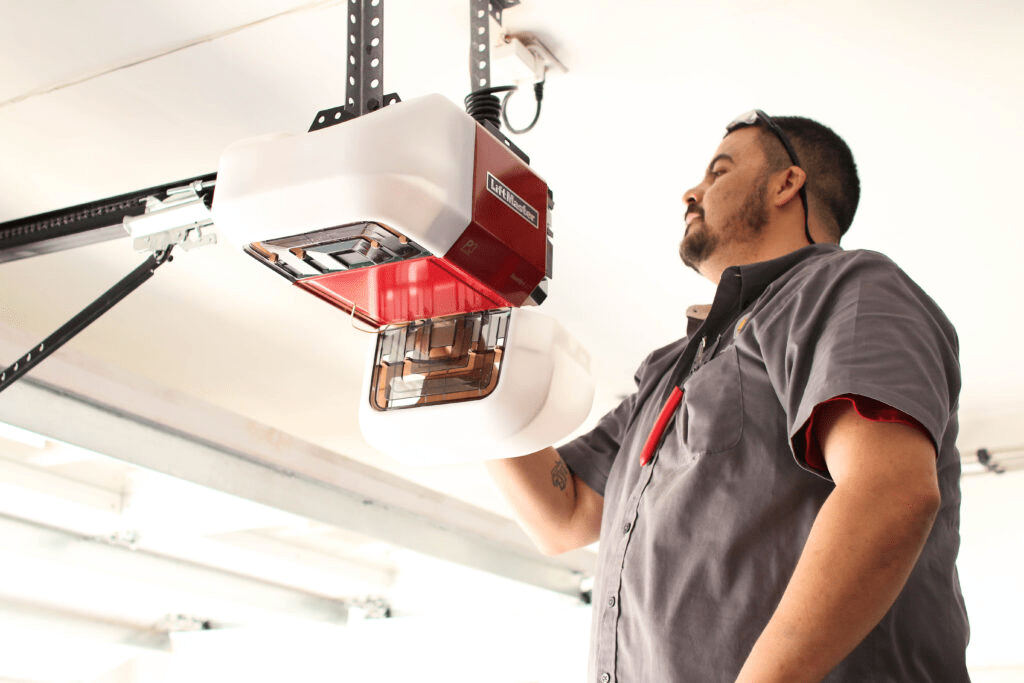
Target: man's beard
{"x":701,"y":242}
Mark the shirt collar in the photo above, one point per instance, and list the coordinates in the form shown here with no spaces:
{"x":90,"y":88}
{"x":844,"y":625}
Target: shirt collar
{"x":755,"y":277}
{"x":749,"y":282}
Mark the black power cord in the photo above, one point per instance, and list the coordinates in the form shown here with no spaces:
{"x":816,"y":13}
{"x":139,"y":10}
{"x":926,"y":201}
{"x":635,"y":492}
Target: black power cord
{"x":483,"y":105}
{"x":538,"y":93}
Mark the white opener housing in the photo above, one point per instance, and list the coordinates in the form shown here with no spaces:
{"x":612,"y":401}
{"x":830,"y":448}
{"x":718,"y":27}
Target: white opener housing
{"x":421,"y":222}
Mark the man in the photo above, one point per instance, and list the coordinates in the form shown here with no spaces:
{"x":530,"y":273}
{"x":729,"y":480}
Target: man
{"x":779,"y":500}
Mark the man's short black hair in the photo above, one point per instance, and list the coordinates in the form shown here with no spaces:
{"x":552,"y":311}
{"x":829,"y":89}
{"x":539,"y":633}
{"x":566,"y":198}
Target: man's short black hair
{"x":833,"y":186}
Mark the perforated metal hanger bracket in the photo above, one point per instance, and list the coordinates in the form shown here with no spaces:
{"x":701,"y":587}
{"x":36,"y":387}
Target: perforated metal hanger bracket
{"x":480,"y":39}
{"x":364,"y":86}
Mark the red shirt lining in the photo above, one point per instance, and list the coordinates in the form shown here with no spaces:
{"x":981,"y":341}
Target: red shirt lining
{"x":868,"y":408}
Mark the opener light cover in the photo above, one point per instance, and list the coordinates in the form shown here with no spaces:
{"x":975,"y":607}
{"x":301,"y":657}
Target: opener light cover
{"x":543,"y":392}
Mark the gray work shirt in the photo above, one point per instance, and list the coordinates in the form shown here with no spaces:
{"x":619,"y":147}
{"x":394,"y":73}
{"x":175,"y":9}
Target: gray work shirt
{"x":698,"y":546}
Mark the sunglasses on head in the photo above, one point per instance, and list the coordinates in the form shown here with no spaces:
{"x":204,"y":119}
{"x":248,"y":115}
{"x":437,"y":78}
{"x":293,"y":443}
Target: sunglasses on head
{"x":752,"y":118}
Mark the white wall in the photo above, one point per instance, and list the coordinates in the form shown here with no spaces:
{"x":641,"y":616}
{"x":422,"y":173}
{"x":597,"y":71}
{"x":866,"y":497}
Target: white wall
{"x":992,"y":574}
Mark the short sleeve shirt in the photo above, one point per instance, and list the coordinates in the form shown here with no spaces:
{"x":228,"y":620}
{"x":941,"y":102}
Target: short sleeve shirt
{"x":698,"y":545}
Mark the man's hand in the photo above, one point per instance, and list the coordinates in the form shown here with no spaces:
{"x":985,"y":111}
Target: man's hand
{"x":862,"y":547}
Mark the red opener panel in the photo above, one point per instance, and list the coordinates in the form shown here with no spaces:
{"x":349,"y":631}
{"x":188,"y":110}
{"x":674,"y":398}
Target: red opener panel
{"x":505,"y":246}
{"x":496,"y":262}
{"x":405,"y":290}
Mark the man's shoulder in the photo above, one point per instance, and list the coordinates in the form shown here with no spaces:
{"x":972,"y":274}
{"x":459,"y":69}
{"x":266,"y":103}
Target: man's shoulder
{"x":870,"y":278}
{"x":835,"y":271}
{"x":836,"y":262}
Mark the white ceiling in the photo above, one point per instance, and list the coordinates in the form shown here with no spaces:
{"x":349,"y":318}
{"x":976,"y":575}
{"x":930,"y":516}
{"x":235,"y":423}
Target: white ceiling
{"x":101,"y":97}
{"x":927,"y":95}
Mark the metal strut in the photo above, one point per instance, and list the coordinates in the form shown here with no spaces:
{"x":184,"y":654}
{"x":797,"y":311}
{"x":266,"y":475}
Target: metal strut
{"x":479,"y":46}
{"x":364,"y":86}
{"x":480,"y":39}
{"x":90,"y":313}
{"x":157,"y":219}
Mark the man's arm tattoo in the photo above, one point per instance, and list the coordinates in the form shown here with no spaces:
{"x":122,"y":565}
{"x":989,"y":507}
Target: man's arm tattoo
{"x":560,"y":475}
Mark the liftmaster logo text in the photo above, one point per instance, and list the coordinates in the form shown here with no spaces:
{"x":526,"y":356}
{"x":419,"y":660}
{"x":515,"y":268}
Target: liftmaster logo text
{"x":512,"y":200}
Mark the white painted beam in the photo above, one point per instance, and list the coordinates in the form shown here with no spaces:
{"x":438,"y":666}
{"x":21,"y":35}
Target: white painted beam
{"x":45,"y":497}
{"x":41,"y":481}
{"x":27,"y":618}
{"x":375,"y":576}
{"x":95,"y":407}
{"x":96,"y":564}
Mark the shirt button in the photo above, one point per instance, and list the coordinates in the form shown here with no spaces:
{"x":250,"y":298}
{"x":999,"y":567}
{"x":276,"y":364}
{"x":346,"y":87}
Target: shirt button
{"x":606,"y":677}
{"x":611,"y":601}
{"x":626,"y":527}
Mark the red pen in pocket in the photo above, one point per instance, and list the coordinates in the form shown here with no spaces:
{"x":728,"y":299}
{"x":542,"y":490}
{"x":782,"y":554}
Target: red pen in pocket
{"x":658,"y":430}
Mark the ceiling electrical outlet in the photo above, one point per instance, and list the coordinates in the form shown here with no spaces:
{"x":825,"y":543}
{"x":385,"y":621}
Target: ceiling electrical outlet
{"x":534,"y":45}
{"x":521,"y":57}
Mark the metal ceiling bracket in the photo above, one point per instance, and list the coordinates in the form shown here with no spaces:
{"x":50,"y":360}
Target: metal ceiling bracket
{"x":480,"y":39}
{"x":985,"y":458}
{"x":364,"y":90}
{"x":364,"y":86}
{"x":479,"y":44}
{"x":182,"y":219}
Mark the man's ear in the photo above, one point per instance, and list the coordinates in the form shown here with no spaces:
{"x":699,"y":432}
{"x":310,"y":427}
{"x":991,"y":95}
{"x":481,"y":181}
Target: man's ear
{"x":787,"y":185}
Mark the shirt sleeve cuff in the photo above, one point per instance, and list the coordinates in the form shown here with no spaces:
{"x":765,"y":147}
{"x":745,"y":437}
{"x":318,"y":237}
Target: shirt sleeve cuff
{"x":806,"y":445}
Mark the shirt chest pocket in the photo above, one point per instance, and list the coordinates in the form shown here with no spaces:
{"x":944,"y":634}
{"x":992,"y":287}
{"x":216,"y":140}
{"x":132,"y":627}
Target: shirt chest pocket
{"x":711,"y":419}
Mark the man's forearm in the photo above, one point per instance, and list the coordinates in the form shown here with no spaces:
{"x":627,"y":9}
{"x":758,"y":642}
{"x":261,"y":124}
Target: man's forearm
{"x":858,"y":556}
{"x":557,"y":510}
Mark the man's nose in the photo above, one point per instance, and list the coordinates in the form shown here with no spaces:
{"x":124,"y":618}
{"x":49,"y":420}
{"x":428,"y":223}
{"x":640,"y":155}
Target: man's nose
{"x":693,"y":195}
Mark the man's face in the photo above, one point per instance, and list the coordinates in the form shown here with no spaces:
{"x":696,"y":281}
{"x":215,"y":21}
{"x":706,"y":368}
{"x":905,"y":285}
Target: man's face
{"x":729,"y":207}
